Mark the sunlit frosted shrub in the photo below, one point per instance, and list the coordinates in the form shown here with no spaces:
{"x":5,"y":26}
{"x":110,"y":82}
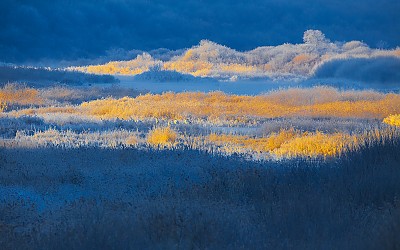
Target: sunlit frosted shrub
{"x":392,"y":120}
{"x":162,"y":137}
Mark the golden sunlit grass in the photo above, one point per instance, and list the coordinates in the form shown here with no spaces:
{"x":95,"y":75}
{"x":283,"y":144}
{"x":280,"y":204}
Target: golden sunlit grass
{"x":215,"y":107}
{"x":275,"y":140}
{"x":392,"y":120}
{"x":218,"y":106}
{"x":162,"y":137}
{"x":266,"y":144}
{"x":195,"y":68}
{"x":140,"y":64}
{"x":287,"y":143}
{"x":113,"y":68}
{"x":316,"y":144}
{"x":203,"y":68}
{"x":238,"y":68}
{"x":14,"y":94}
{"x":291,"y":143}
{"x":314,"y":102}
{"x":46,"y":110}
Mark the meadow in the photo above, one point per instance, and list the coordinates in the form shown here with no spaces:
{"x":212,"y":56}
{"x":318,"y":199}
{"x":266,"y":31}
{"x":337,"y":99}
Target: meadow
{"x":109,"y":167}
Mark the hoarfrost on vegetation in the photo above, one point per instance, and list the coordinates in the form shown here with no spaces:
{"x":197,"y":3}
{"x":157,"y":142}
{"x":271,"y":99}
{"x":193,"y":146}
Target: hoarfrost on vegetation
{"x":209,"y":59}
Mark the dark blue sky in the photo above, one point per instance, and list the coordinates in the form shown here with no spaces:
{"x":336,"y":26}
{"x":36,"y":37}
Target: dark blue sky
{"x":39,"y":30}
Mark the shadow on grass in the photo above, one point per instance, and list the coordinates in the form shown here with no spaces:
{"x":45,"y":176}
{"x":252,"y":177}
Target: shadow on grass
{"x":94,"y":198}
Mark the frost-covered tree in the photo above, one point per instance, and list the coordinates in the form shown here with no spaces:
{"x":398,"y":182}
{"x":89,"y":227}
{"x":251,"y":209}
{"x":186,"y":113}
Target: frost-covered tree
{"x":314,"y":37}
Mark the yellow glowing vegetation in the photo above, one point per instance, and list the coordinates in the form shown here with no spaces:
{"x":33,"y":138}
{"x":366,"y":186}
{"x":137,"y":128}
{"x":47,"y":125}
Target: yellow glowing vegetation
{"x":275,"y":140}
{"x":238,"y":68}
{"x":302,"y":58}
{"x":316,"y":144}
{"x":290,"y":143}
{"x":193,"y":67}
{"x":189,"y":64}
{"x":113,"y":68}
{"x":13,"y":94}
{"x":199,"y":64}
{"x":221,"y":108}
{"x":315,"y":102}
{"x":140,"y":64}
{"x":392,"y":120}
{"x":265,"y":144}
{"x":162,"y":137}
{"x":47,"y":110}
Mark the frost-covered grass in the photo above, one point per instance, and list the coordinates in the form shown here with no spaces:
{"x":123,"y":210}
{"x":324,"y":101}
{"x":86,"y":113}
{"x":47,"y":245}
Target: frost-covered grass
{"x":257,"y":142}
{"x":17,"y":95}
{"x":199,"y":171}
{"x":129,"y":198}
{"x":276,"y":145}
